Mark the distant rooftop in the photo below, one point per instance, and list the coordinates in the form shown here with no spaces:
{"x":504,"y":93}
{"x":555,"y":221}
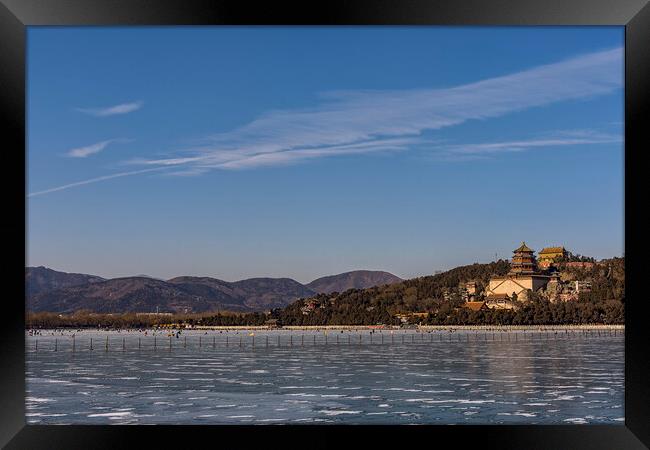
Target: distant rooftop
{"x":551,"y":250}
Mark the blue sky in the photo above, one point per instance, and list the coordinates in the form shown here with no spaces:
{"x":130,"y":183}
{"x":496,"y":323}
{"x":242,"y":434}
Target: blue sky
{"x":303,"y":152}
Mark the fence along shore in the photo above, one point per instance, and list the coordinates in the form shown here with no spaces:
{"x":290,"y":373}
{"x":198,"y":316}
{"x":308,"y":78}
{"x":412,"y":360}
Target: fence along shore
{"x":134,"y":340}
{"x":384,"y":327}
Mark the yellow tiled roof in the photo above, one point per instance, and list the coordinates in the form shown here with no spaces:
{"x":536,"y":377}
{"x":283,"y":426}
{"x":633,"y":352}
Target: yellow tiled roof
{"x":552,"y":250}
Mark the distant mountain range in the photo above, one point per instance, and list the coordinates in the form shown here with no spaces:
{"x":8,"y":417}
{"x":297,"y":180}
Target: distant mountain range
{"x":61,"y":292}
{"x":41,"y":279}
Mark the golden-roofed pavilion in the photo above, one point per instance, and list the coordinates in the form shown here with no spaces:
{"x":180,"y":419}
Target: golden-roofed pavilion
{"x":551,"y":254}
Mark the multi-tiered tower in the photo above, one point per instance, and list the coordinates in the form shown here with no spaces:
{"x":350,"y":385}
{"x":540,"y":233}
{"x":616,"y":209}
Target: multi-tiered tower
{"x":523,"y":261}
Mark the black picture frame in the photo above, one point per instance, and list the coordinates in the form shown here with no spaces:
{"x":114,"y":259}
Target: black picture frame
{"x":16,"y":15}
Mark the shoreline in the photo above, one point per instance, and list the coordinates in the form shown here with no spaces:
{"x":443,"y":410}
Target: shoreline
{"x":419,"y":328}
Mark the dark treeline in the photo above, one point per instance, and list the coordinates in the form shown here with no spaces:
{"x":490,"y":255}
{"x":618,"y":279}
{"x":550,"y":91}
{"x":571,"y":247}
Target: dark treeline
{"x":570,"y":257}
{"x":84,"y":319}
{"x":254,"y":319}
{"x":538,"y":311}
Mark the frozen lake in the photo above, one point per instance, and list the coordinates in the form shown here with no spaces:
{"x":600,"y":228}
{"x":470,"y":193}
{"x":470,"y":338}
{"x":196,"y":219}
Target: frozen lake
{"x":293,"y":377}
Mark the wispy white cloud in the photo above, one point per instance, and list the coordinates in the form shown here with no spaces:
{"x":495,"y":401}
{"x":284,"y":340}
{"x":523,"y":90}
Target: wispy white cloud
{"x":123,"y":108}
{"x":364,"y":121}
{"x":563,"y":139}
{"x":355,"y":122}
{"x":94,"y":180}
{"x":82,"y":152}
{"x":298,"y":154}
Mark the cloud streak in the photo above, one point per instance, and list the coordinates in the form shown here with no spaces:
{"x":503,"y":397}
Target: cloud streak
{"x":520,"y":145}
{"x":463,"y":152}
{"x":348,"y":122}
{"x":123,"y":108}
{"x":94,"y":180}
{"x":83,"y":152}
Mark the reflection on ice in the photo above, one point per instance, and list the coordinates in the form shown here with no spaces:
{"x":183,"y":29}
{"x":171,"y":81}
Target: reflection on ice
{"x":573,"y":380}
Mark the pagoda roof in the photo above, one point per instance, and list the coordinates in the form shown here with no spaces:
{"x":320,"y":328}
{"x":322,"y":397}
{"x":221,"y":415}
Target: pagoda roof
{"x":524,"y":248}
{"x":552,"y":250}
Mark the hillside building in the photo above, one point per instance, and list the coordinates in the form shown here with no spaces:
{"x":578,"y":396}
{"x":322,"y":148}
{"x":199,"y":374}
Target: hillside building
{"x":470,"y":291}
{"x":580,"y":265}
{"x":582,"y":286}
{"x":499,"y":301}
{"x":523,"y":277}
{"x":551,"y":255}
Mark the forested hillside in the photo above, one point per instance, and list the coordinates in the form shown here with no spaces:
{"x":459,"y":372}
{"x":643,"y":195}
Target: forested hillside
{"x":380,"y":304}
{"x":439,"y":297}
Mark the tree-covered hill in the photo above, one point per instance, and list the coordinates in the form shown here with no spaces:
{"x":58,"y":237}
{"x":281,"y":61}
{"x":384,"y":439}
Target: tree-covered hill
{"x":439,"y":296}
{"x":380,"y":304}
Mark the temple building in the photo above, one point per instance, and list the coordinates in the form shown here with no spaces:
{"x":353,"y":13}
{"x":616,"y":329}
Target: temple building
{"x":523,"y":277}
{"x":550,"y":255}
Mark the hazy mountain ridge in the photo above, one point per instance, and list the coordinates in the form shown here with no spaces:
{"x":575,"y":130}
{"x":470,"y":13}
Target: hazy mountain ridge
{"x":357,"y":279}
{"x":253,"y":294}
{"x":73,"y":292}
{"x":130,"y":294}
{"x":270,"y":293}
{"x":41,"y":279}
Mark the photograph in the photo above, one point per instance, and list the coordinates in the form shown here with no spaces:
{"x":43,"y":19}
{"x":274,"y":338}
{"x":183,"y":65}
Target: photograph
{"x":325,"y":225}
